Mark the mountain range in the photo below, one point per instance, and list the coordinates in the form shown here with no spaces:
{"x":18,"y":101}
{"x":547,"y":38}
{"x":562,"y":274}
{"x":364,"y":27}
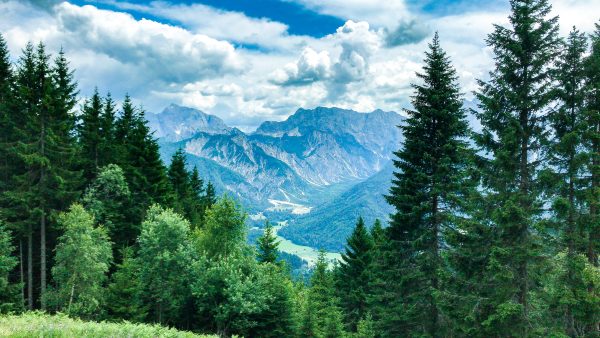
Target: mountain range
{"x":317,"y":171}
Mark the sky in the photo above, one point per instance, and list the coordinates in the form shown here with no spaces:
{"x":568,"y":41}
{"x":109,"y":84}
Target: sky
{"x":248,"y":61}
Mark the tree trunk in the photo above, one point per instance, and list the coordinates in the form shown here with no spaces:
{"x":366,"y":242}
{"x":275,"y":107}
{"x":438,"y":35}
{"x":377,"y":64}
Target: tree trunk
{"x":30,"y":268}
{"x":522,"y":269}
{"x":22,"y":272}
{"x":43,"y":261}
{"x":43,"y":224}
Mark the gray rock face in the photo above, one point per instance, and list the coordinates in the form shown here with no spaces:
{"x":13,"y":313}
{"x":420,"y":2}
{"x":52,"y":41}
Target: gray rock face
{"x":296,"y":160}
{"x":176,"y":123}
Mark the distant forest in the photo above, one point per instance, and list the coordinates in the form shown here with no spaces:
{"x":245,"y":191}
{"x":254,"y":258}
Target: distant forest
{"x":494,"y":234}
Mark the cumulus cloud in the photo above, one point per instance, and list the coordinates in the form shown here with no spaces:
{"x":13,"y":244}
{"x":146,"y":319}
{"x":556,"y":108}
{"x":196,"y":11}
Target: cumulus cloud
{"x":358,"y":43}
{"x":232,"y":26}
{"x":310,"y":67}
{"x":169,"y":53}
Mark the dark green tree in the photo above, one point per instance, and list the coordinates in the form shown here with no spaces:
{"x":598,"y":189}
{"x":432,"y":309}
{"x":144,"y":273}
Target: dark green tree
{"x":125,"y":291}
{"x":90,"y":135}
{"x":568,"y":185}
{"x":352,"y":277}
{"x":427,"y":194}
{"x":514,"y":103}
{"x":592,"y":142}
{"x":137,"y":153}
{"x":268,"y":245}
{"x":8,"y":293}
{"x":180,"y":181}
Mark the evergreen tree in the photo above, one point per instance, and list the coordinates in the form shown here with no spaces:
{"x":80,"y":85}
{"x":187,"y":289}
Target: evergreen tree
{"x":6,"y":124}
{"x":196,"y":199}
{"x":138,"y":155}
{"x":568,"y":187}
{"x":427,"y":194}
{"x":592,"y":142}
{"x":47,"y":179}
{"x":365,"y":328}
{"x":107,"y":146}
{"x":353,"y":274}
{"x":513,"y":105}
{"x":268,"y":245}
{"x":83,"y":257}
{"x":180,"y":180}
{"x":322,"y":303}
{"x":90,"y":135}
{"x":124,"y":298}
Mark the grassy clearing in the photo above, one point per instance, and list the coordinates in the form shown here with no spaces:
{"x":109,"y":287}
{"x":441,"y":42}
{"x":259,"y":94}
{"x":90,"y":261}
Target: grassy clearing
{"x":42,"y":325}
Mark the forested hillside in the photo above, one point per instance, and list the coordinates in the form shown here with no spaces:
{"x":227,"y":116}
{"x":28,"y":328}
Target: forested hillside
{"x":493,"y":233}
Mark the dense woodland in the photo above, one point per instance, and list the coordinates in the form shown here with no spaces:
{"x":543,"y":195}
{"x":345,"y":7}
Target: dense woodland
{"x":495,"y":233}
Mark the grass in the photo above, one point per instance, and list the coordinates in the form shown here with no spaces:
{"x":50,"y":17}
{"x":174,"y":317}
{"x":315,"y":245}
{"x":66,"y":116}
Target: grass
{"x":35,"y":324}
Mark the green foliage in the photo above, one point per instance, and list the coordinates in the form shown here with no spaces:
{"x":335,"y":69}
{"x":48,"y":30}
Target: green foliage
{"x":35,"y":324}
{"x":83,"y":257}
{"x":352,"y":278}
{"x":573,"y":308}
{"x":514,"y":104}
{"x":125,"y":291}
{"x":365,"y":328}
{"x":8,"y":292}
{"x":108,"y":199}
{"x":427,"y":193}
{"x":240,"y":296}
{"x":166,"y":254}
{"x":267,"y":245}
{"x":224,"y":230}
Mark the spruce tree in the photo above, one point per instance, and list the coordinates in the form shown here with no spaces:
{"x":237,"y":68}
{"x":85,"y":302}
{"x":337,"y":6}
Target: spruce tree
{"x":427,"y":193}
{"x":124,"y":298}
{"x":6,"y":118}
{"x":514,"y":103}
{"x":568,"y":187}
{"x":47,"y":179}
{"x":90,"y":135}
{"x":180,"y":181}
{"x":196,"y":215}
{"x":592,"y":142}
{"x":107,"y":145}
{"x":352,"y":277}
{"x":268,"y":245}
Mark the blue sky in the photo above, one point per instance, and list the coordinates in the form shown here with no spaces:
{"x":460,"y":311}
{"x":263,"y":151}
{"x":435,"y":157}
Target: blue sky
{"x":248,"y":61}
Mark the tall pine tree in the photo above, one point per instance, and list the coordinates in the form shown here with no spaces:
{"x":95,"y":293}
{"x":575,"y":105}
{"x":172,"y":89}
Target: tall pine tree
{"x":513,"y":106}
{"x":426,"y":192}
{"x":352,"y":277}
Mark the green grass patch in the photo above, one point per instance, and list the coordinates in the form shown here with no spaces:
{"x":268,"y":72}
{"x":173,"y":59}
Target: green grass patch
{"x":35,"y":324}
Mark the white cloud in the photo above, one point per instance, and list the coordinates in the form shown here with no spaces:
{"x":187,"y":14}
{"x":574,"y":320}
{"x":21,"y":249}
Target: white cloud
{"x":169,"y":53}
{"x":194,"y":61}
{"x":310,"y":67}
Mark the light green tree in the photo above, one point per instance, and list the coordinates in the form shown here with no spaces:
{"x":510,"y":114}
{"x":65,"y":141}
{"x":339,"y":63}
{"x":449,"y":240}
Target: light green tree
{"x":83,"y":257}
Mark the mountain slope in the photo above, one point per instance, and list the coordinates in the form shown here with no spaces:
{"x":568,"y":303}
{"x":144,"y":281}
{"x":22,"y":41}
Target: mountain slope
{"x":331,"y":163}
{"x":176,"y":123}
{"x":327,"y":226}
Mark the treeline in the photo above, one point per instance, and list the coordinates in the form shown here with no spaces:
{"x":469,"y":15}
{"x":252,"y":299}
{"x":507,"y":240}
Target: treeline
{"x":496,"y":233}
{"x":94,"y":225}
